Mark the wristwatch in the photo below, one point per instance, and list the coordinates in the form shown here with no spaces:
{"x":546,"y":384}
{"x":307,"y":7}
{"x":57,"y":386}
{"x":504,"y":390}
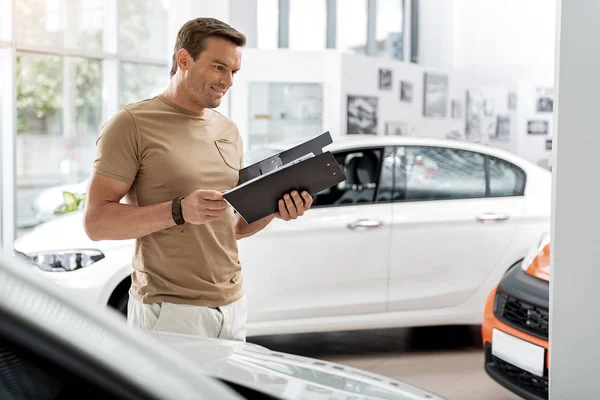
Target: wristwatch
{"x":176,"y":211}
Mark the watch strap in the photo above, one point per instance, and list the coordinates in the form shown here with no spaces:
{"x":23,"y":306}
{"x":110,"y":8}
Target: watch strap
{"x":176,"y":211}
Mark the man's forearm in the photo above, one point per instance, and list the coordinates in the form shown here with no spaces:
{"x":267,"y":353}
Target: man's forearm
{"x":243,"y":229}
{"x":117,"y":221}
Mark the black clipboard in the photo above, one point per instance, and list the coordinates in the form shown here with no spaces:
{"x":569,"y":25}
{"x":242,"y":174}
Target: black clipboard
{"x":313,"y":146}
{"x":257,"y":197}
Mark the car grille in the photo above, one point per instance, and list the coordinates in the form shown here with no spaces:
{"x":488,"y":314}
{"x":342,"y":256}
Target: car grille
{"x":522,"y":315}
{"x":522,"y":378}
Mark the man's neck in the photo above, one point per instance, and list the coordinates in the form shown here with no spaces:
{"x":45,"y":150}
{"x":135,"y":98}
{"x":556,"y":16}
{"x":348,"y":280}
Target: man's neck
{"x":175,"y":94}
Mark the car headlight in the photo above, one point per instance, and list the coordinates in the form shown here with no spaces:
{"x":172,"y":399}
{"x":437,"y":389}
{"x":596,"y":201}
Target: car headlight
{"x":66,"y":260}
{"x":535,"y":250}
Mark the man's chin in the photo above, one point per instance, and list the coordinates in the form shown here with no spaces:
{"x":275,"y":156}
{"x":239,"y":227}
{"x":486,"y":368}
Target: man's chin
{"x":214,"y":103}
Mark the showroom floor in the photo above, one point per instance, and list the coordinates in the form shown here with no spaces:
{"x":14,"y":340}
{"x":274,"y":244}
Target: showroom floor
{"x":447,"y":361}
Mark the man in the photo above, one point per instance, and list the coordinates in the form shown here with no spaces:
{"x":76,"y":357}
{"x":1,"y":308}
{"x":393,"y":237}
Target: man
{"x":171,"y":157}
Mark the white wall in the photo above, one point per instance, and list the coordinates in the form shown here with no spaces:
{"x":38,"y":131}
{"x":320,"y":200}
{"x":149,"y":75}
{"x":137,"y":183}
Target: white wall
{"x":510,"y":38}
{"x":291,"y":67}
{"x":532,"y":147}
{"x":360,"y":76}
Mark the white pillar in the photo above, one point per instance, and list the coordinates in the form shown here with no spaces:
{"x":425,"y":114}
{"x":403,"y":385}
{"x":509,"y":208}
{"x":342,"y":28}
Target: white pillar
{"x":7,"y":148}
{"x":575,"y":271}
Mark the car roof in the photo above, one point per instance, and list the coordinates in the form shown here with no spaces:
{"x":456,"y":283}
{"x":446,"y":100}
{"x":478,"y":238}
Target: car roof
{"x":100,"y":335}
{"x":349,"y":142}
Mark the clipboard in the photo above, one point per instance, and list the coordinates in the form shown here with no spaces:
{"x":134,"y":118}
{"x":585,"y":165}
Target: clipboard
{"x":268,"y":180}
{"x":313,"y":146}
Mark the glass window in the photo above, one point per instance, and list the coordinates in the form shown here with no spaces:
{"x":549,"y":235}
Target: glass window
{"x":70,"y":24}
{"x":386,"y":181}
{"x":143,"y":29}
{"x":59,"y":108}
{"x":5,"y":20}
{"x":141,"y":81}
{"x":506,"y":179}
{"x":284,"y":111}
{"x":362,"y":173}
{"x":267,"y":19}
{"x":389,"y":28}
{"x":351,"y":25}
{"x":307,"y":24}
{"x":437,"y":173}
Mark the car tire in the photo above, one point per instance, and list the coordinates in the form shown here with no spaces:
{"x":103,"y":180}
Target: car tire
{"x":121,"y":306}
{"x":120,"y":296}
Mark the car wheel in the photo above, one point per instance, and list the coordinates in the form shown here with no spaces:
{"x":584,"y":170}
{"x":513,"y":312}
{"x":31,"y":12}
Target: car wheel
{"x":120,"y":296}
{"x":122,"y":304}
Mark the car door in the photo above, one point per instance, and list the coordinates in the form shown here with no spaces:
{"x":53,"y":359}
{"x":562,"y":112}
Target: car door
{"x":455,"y":213}
{"x":333,"y":260}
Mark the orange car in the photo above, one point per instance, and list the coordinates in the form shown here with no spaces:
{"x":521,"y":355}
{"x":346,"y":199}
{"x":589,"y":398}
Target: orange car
{"x":515,"y":326}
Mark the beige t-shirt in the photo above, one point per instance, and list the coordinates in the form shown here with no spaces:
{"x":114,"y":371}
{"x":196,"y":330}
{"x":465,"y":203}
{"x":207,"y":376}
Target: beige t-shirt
{"x":165,"y":151}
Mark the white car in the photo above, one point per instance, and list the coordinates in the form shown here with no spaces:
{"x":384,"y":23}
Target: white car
{"x":54,"y":347}
{"x":418,"y":234}
{"x":49,"y":201}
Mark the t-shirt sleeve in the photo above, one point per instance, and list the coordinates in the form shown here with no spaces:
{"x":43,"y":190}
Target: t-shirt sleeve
{"x":118,"y":148}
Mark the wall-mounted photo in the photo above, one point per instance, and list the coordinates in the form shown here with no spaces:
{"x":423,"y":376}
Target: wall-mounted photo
{"x":457,"y":109}
{"x":396,"y":128}
{"x":362,"y":115}
{"x":435,"y":99}
{"x":537,"y":127}
{"x":549,"y":144}
{"x":474,"y":115}
{"x":385,"y":79}
{"x":502,"y":131}
{"x":406,"y":92}
{"x":512,"y":101}
{"x":544,"y":100}
{"x":488,"y":108}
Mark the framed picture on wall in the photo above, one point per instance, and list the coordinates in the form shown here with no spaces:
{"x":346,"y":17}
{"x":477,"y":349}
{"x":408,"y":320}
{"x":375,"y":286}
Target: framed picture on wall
{"x":435,"y":99}
{"x":502,"y":131}
{"x":537,"y":127}
{"x":488,"y":108}
{"x":406,"y":92}
{"x":396,"y":128}
{"x":512,"y":101}
{"x":362,"y":115}
{"x":385,"y":79}
{"x":457,"y":109}
{"x":549,"y":144}
{"x":544,"y":100}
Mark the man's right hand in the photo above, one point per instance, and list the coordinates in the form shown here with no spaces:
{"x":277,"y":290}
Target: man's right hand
{"x":203,"y":206}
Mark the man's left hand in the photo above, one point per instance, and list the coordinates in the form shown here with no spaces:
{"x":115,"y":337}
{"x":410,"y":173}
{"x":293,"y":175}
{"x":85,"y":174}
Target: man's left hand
{"x":294,"y":205}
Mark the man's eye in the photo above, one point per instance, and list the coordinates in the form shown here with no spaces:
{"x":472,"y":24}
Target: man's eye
{"x":219,"y":67}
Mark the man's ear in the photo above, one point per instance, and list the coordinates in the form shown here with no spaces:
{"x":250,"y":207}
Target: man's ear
{"x":184,"y":59}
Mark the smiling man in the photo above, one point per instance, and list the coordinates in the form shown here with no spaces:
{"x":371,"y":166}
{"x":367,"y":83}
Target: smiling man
{"x":171,"y":157}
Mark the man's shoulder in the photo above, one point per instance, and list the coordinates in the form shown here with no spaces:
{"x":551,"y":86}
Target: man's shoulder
{"x":142,"y":105}
{"x":220,"y":119}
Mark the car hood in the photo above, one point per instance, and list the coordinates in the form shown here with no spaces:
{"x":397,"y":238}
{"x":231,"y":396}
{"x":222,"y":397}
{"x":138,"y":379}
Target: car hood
{"x":284,"y":375}
{"x":540,"y":266}
{"x":61,"y":233}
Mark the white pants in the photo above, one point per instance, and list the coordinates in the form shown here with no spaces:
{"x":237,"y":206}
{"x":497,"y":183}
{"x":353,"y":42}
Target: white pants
{"x":227,"y":322}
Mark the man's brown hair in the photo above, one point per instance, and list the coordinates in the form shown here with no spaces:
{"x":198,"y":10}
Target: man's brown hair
{"x":193,"y":34}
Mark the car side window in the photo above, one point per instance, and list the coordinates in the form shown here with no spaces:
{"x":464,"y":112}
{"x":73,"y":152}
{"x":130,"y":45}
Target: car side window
{"x":362,"y":173}
{"x":506,"y":179}
{"x":438,"y":173}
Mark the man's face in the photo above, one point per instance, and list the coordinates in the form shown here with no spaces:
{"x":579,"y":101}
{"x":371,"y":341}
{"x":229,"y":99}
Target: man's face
{"x":211,"y":75}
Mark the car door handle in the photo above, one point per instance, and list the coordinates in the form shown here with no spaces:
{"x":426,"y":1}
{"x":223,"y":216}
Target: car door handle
{"x":492,"y":217}
{"x":365,"y":223}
